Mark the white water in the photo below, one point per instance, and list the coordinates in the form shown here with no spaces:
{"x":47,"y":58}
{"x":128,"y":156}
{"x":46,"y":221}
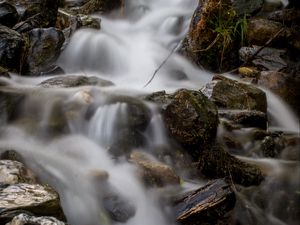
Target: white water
{"x":127,"y":51}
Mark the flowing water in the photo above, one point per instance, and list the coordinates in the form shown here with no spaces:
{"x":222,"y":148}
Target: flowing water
{"x":66,"y":135}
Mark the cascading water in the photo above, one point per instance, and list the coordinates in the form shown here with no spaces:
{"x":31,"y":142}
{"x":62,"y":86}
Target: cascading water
{"x":127,"y":51}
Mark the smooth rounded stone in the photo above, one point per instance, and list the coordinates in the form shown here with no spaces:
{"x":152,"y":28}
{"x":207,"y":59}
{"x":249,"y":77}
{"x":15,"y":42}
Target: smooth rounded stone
{"x":23,"y":219}
{"x":153,"y":172}
{"x":247,"y":7}
{"x":44,"y":48}
{"x":11,"y":47}
{"x":8,"y":14}
{"x":247,"y":118}
{"x":191,"y":118}
{"x":231,"y":94}
{"x":13,"y":172}
{"x":215,"y":162}
{"x":259,"y":31}
{"x":74,"y":81}
{"x":35,"y":198}
{"x":205,"y":43}
{"x":284,"y":85}
{"x":285,"y":16}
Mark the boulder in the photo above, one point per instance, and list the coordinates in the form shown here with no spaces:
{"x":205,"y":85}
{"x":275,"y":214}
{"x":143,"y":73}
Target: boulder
{"x":284,"y":85}
{"x":247,"y":7}
{"x":231,"y":94}
{"x":215,"y":162}
{"x":4,"y":72}
{"x":13,"y":172}
{"x":286,"y":16}
{"x":246,"y":118}
{"x":152,"y":172}
{"x":11,"y":47}
{"x":74,"y":81}
{"x":103,"y":6}
{"x":44,"y":47}
{"x":214,"y":36}
{"x":35,"y":198}
{"x":8,"y":14}
{"x":192,"y":119}
{"x":30,"y":219}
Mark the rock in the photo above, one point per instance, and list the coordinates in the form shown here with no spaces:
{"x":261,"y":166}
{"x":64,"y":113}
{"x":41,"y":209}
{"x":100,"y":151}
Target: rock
{"x":103,"y":6}
{"x":152,"y":172}
{"x":272,"y":146}
{"x":11,"y":46}
{"x":23,"y":219}
{"x":35,"y":198}
{"x":217,"y":163}
{"x":214,"y":36}
{"x":4,"y":72}
{"x":248,"y":72}
{"x":231,"y":94}
{"x":247,"y":118}
{"x":74,"y":81}
{"x":44,"y":47}
{"x":13,"y":172}
{"x":205,"y":205}
{"x":284,"y":85}
{"x":286,"y":16}
{"x":259,"y":31}
{"x":267,"y":58}
{"x":247,"y":7}
{"x":191,"y":119}
{"x":8,"y":14}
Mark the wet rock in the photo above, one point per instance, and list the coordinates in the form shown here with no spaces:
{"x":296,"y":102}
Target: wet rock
{"x":44,"y":48}
{"x":214,"y":36}
{"x":29,"y":219}
{"x":284,"y":85}
{"x":267,"y":59}
{"x":259,"y":31}
{"x":217,"y":163}
{"x":206,"y":205}
{"x":74,"y":81}
{"x":271,"y":146}
{"x":93,"y":6}
{"x":286,"y":16}
{"x":247,"y":7}
{"x":191,"y":119}
{"x":152,"y":172}
{"x":11,"y":46}
{"x":13,"y":172}
{"x":231,"y":94}
{"x":8,"y":14}
{"x":247,"y":118}
{"x":4,"y":72}
{"x":292,"y":148}
{"x":35,"y":198}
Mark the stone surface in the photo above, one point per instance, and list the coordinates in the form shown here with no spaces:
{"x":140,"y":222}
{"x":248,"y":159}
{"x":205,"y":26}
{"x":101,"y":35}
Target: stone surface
{"x":74,"y":81}
{"x":35,"y":198}
{"x":191,"y":119}
{"x":93,"y":6}
{"x":247,"y":7}
{"x":152,"y":172}
{"x":23,"y":219}
{"x":8,"y":14}
{"x":44,"y":47}
{"x":11,"y":46}
{"x":13,"y":172}
{"x":231,"y":94}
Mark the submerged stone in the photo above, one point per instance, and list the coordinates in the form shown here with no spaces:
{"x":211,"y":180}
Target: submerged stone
{"x":23,"y":219}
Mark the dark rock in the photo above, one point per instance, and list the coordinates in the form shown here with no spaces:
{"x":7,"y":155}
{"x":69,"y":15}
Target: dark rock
{"x":272,"y":146}
{"x":8,"y":14}
{"x":217,"y":163}
{"x":286,"y":16}
{"x":38,"y":199}
{"x":247,"y":118}
{"x":284,"y":85}
{"x":205,"y":205}
{"x":191,"y":119}
{"x":74,"y":81}
{"x":152,"y":172}
{"x":13,"y":172}
{"x":33,"y":220}
{"x":93,"y":6}
{"x":44,"y":48}
{"x":11,"y":47}
{"x":247,"y":7}
{"x":231,"y":94}
{"x":214,"y":36}
{"x":4,"y":72}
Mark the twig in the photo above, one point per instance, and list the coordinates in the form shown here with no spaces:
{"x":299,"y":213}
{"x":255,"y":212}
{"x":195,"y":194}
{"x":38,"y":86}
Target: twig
{"x":210,"y":45}
{"x":162,"y":64}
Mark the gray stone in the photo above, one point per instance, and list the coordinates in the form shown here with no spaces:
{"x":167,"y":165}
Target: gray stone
{"x":247,"y":7}
{"x":23,"y":219}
